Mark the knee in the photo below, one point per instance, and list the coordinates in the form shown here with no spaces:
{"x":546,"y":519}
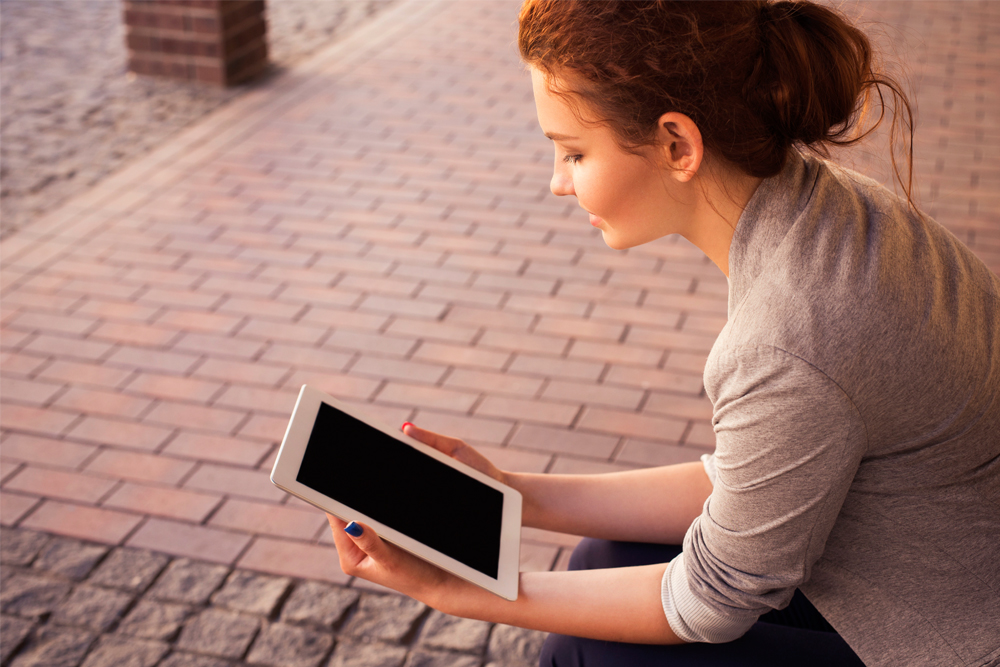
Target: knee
{"x":590,"y":554}
{"x":593,"y":554}
{"x":560,"y":651}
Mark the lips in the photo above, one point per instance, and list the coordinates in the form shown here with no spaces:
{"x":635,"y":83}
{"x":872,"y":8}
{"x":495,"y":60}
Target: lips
{"x":595,"y":221}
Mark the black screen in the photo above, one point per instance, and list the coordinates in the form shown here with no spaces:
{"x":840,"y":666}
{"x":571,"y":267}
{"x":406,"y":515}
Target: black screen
{"x":406,"y":490}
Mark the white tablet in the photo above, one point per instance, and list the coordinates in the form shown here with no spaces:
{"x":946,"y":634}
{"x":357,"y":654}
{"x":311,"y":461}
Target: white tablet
{"x":348,"y":464}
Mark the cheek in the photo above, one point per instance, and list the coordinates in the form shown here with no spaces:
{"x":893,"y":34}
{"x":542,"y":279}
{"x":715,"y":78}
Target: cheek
{"x":615,"y":192}
{"x":597,"y":190}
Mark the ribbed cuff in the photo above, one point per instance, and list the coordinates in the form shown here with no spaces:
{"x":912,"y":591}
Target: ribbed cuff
{"x":689,"y":617}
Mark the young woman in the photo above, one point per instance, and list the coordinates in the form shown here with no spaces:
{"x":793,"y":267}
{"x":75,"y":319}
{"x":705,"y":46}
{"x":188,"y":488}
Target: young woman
{"x":851,"y":511}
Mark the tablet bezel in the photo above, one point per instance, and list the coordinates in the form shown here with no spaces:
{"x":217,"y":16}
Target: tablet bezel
{"x":289,"y":459}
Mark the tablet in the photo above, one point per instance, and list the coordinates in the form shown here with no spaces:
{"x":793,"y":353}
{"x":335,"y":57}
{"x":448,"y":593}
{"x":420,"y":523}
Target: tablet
{"x":348,"y":464}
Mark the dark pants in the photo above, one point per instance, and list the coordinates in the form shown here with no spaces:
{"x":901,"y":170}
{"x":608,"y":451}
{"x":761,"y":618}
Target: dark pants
{"x":796,"y":635}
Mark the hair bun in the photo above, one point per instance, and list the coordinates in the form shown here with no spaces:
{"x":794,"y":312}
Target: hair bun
{"x":812,"y":72}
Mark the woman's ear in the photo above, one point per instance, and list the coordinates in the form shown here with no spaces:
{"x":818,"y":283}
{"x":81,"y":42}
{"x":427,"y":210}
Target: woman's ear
{"x":681,"y":144}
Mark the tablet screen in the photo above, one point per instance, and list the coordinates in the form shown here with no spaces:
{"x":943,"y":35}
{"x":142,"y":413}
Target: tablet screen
{"x":395,"y":484}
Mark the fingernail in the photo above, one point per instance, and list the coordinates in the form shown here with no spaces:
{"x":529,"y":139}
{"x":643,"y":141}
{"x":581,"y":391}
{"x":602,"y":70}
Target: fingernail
{"x":403,"y":427}
{"x":353,"y":529}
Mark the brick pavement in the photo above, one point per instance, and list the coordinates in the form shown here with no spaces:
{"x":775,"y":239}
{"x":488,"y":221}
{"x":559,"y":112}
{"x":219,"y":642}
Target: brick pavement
{"x":69,"y":115}
{"x":377,"y":222}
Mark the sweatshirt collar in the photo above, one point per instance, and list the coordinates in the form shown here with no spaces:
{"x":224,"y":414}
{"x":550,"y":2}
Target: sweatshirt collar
{"x":770,"y":213}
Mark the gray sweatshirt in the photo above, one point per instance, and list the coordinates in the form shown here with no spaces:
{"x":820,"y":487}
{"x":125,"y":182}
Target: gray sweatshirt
{"x":856,"y":389}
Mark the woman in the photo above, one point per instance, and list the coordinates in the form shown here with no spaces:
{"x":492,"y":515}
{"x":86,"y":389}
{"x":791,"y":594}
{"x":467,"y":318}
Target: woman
{"x":856,"y":385}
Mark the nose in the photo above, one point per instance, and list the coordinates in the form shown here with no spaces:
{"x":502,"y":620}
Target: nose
{"x":562,"y":182}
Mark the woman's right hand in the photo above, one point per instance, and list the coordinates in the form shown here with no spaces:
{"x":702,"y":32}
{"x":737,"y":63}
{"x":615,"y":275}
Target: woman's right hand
{"x":457,"y":449}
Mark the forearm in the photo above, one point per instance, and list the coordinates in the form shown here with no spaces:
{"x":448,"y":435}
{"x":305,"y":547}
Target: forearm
{"x":618,"y":604}
{"x":650,"y":505}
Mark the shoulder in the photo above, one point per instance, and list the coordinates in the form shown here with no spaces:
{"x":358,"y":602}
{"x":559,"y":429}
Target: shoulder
{"x":867,"y":292}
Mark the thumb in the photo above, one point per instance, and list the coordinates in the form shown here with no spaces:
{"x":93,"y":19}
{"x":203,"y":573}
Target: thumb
{"x":365,"y":538}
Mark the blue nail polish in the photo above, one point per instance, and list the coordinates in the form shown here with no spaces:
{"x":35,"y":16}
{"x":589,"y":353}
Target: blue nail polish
{"x":353,"y":529}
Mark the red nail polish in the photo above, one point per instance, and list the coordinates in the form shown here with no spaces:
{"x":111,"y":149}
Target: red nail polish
{"x":403,"y":427}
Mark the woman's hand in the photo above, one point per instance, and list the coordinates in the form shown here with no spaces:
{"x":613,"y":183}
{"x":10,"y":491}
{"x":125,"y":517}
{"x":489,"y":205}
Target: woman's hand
{"x":456,"y":449}
{"x":364,"y":554}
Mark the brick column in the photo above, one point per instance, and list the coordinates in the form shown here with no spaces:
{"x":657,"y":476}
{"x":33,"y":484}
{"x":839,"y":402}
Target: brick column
{"x":222,"y":42}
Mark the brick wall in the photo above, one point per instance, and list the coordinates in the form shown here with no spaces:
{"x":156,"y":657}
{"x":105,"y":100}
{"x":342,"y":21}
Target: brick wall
{"x":219,"y":42}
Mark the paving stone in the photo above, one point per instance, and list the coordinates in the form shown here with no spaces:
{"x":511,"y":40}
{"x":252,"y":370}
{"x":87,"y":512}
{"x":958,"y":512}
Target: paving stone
{"x":30,"y":595}
{"x":425,"y":658}
{"x":112,"y":651}
{"x":13,"y":631}
{"x":189,"y":581}
{"x":150,"y":619}
{"x":180,"y":659}
{"x":219,"y":633}
{"x":19,"y":546}
{"x":386,"y":617}
{"x":92,"y":607}
{"x":318,"y":603}
{"x":55,"y":647}
{"x":251,"y":592}
{"x":515,"y":646}
{"x":70,"y":558}
{"x":367,"y":654}
{"x":131,"y":569}
{"x":283,"y":645}
{"x":455,"y":634}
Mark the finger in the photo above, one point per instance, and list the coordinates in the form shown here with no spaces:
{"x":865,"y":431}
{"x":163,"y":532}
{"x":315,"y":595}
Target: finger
{"x":455,"y":448}
{"x":442,"y":443}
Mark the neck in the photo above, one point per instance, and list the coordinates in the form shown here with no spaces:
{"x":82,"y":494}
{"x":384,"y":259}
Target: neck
{"x":717,"y":211}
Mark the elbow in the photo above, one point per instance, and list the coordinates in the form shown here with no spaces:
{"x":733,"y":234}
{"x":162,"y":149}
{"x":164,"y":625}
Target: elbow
{"x":691,"y":620}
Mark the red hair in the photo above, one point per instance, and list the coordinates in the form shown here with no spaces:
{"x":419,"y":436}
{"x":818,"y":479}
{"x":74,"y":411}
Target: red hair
{"x":755,"y":76}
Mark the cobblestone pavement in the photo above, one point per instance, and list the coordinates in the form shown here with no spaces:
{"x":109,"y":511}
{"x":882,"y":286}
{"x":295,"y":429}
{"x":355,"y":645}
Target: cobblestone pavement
{"x":71,"y":113}
{"x":66,"y":602}
{"x":377,"y":222}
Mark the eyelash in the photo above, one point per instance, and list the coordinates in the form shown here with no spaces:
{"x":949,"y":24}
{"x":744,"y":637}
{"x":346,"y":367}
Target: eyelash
{"x":572,"y":159}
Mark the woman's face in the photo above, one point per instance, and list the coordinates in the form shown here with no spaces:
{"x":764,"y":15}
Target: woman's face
{"x":627,"y":196}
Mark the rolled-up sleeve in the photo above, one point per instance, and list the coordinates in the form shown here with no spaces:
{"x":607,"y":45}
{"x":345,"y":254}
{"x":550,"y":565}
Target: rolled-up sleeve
{"x":788,"y":444}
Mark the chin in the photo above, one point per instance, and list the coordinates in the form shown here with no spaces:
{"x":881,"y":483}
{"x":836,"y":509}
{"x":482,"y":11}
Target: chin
{"x":616,"y":243}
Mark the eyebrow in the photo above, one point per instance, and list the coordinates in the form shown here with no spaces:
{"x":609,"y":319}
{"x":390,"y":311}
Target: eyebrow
{"x":559,"y":137}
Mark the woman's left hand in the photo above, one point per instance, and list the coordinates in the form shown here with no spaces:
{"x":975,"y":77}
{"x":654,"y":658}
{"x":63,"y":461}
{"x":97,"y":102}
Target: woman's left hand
{"x":369,"y":557}
{"x":615,"y":604}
